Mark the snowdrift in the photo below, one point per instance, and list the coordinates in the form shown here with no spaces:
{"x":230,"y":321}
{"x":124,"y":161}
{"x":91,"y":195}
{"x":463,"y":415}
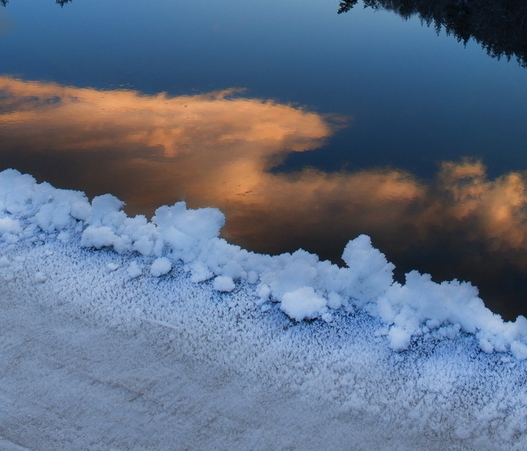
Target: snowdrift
{"x":302,"y":286}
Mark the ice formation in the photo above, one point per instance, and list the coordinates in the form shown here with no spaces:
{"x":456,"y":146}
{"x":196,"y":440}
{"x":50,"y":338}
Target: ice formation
{"x":422,"y":357}
{"x":303,"y":286}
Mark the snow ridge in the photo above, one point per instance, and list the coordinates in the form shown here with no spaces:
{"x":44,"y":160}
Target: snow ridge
{"x":302,"y":285}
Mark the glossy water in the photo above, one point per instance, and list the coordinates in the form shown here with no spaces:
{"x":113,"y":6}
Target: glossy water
{"x":305,"y":127}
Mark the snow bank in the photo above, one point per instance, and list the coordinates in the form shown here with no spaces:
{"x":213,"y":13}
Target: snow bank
{"x":169,"y":334}
{"x":303,"y":286}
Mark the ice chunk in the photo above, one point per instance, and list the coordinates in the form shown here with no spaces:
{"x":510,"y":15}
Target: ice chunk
{"x":303,"y":303}
{"x":223,"y":283}
{"x":9,"y":225}
{"x":98,"y":237}
{"x":134,"y":270}
{"x":519,"y":350}
{"x":40,"y":277}
{"x":106,"y":210}
{"x":160,"y":267}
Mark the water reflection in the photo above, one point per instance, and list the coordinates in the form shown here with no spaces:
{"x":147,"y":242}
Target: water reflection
{"x":58,"y":2}
{"x":217,"y":150}
{"x":498,"y":26}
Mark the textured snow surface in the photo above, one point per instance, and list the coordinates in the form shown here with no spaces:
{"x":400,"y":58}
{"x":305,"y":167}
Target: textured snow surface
{"x":120,"y":333}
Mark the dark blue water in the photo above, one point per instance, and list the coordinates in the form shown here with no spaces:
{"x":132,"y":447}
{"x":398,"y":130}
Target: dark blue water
{"x":346,"y":125}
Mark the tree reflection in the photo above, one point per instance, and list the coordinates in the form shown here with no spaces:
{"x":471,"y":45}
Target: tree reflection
{"x":500,"y":26}
{"x":58,"y":2}
{"x":346,"y":5}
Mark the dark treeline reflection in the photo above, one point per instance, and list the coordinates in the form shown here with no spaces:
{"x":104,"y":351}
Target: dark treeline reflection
{"x":58,"y":2}
{"x":499,"y":26}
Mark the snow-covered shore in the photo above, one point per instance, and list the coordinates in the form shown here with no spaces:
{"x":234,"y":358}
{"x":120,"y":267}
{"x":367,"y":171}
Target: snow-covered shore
{"x":168,"y":337}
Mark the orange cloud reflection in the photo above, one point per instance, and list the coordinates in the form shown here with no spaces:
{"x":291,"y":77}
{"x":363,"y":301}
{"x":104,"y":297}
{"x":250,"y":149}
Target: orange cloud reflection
{"x":69,"y":118}
{"x":216,"y":150}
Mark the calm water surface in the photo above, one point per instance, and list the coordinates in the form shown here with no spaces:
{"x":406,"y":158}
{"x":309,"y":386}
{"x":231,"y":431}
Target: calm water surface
{"x":306,"y":127}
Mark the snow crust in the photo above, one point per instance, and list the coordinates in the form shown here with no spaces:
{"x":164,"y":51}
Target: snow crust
{"x":407,"y":366}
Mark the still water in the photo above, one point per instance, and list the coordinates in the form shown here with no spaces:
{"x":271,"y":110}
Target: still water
{"x":304,"y":126}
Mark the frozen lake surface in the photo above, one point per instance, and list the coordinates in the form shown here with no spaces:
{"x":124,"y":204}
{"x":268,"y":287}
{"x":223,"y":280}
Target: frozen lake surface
{"x":133,"y":350}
